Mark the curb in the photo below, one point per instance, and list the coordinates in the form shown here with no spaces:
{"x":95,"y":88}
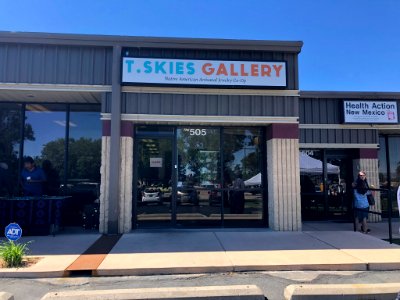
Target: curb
{"x":245,"y":292}
{"x":379,"y":291}
{"x":6,"y":296}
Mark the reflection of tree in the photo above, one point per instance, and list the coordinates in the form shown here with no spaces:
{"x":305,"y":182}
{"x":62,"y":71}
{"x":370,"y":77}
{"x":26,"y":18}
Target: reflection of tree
{"x":198,"y":155}
{"x":250,"y":165}
{"x":83,"y":161}
{"x":10,"y":137}
{"x":10,"y":121}
{"x":245,"y":142}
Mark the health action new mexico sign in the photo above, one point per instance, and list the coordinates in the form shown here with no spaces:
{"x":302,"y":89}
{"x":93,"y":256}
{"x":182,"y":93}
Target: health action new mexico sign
{"x":370,"y":112}
{"x":203,"y":72}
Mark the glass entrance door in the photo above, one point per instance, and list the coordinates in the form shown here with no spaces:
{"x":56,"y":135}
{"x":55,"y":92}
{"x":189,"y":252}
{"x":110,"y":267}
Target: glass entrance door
{"x":325,"y":180}
{"x":154,"y":191}
{"x":199,"y":197}
{"x":338,"y":187}
{"x":198,"y":176}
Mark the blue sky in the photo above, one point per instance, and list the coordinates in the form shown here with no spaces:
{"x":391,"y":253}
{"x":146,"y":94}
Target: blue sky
{"x":348,"y":44}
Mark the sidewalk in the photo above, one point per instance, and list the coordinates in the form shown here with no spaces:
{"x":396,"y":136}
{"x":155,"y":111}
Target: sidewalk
{"x":321,"y":246}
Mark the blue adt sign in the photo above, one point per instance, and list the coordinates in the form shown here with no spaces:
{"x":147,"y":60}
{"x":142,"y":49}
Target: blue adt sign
{"x":13,"y":232}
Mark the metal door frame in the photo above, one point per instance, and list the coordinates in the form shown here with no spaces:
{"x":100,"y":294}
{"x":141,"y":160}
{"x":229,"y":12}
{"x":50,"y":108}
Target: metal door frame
{"x":174,"y":176}
{"x":162,"y":136}
{"x":338,"y":154}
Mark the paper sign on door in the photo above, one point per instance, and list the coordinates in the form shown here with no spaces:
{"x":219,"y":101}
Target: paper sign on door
{"x":156,"y":162}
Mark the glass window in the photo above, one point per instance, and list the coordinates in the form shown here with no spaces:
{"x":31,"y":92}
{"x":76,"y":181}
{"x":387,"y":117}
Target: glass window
{"x":312,"y":184}
{"x":242,"y":174}
{"x":10,"y":138}
{"x":145,"y":130}
{"x":84,"y":161}
{"x":84,"y":157}
{"x":199,"y":175}
{"x":383,"y":180}
{"x":45,"y":129}
{"x":392,"y":146}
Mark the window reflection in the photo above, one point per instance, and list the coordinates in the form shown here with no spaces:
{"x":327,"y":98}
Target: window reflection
{"x":198,"y":199}
{"x":392,"y":145}
{"x":45,"y":129}
{"x":242,"y":174}
{"x":45,"y":141}
{"x":10,"y":138}
{"x":311,"y":184}
{"x":84,"y":159}
{"x":84,"y":155}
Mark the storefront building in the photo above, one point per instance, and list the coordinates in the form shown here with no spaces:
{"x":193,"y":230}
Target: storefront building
{"x":163,"y":132}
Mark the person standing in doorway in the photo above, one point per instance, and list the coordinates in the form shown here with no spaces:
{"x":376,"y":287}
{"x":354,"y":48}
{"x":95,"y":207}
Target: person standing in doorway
{"x":361,"y":191}
{"x":33,"y":178}
{"x":237,"y":205}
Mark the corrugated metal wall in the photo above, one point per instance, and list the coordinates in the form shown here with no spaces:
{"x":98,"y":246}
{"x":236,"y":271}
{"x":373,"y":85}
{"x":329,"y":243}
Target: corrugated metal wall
{"x":339,"y":136}
{"x":324,"y":110}
{"x":329,"y":111}
{"x":205,"y":105}
{"x":290,"y":58}
{"x":49,"y":64}
{"x":320,"y":111}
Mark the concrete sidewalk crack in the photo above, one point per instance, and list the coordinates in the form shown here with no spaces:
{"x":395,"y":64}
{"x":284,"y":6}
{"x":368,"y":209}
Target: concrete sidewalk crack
{"x":339,"y":249}
{"x":226,"y":253}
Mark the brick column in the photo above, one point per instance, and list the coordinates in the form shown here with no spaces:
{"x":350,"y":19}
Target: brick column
{"x":284,"y":202}
{"x":125,"y":173}
{"x":368,"y":161}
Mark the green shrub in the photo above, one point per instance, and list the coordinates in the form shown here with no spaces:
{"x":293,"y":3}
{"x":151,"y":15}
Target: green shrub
{"x":12,"y":253}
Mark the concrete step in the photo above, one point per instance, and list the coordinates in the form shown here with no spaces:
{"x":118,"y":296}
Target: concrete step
{"x":242,"y":292}
{"x":6,"y":296}
{"x":378,"y":291}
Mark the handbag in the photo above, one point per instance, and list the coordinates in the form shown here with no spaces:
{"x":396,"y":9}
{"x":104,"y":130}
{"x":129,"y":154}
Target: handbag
{"x":371,"y":199}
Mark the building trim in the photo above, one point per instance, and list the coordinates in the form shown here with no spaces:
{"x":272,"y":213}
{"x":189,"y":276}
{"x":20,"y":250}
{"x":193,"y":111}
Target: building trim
{"x":336,"y":126}
{"x":351,"y":126}
{"x":151,"y":42}
{"x":350,"y":95}
{"x":283,"y":131}
{"x":368,"y":153}
{"x":209,"y":91}
{"x":337,"y":146}
{"x":192,"y":119}
{"x":54,"y":87}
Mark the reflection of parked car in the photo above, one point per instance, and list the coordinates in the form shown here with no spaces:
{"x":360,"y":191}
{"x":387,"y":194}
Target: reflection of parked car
{"x":187,"y":196}
{"x":151,"y":195}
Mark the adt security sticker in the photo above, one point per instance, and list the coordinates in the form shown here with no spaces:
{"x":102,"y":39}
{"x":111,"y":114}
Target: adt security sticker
{"x":13,"y":232}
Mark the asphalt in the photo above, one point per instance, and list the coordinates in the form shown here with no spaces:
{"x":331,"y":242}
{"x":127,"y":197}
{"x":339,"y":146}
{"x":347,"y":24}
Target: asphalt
{"x":320,"y":246}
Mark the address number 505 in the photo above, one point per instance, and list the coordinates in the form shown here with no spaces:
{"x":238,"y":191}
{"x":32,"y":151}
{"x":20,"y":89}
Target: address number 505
{"x":198,"y":132}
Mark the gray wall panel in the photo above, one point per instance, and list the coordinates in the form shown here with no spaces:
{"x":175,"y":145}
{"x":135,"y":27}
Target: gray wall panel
{"x":339,"y":136}
{"x":324,"y":110}
{"x":222,"y":105}
{"x":55,"y":64}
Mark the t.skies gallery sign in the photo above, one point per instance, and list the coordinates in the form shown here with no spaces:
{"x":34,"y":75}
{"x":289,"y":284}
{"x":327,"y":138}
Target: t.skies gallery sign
{"x":203,"y":72}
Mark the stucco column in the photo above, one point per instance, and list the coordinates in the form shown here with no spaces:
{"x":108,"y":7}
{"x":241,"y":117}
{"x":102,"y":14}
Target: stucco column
{"x":368,"y":161}
{"x":126,"y":174}
{"x":124,"y":200}
{"x":104,"y":172}
{"x":284,"y":202}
